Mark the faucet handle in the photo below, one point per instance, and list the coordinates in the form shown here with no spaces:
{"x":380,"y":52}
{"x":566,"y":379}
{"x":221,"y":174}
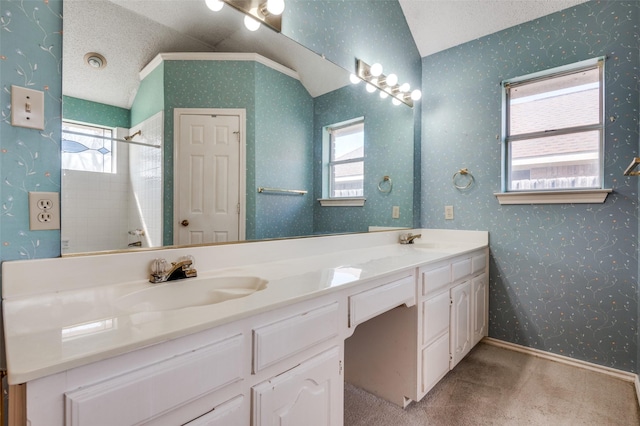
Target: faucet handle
{"x":186,"y":258}
{"x":159,"y":266}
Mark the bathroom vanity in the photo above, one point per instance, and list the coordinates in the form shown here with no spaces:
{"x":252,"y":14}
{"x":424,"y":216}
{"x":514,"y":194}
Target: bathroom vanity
{"x":266,"y":334}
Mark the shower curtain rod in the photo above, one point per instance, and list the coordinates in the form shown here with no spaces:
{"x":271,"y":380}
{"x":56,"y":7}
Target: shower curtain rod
{"x":70,"y":132}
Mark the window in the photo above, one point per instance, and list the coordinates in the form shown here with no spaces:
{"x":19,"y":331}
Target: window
{"x":346,"y":160}
{"x":553,"y":129}
{"x":87,"y":148}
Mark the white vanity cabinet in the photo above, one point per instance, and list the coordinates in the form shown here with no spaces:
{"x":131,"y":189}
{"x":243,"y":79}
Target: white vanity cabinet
{"x":310,"y":394}
{"x":391,"y":323}
{"x":403,"y":353}
{"x":194,"y":378}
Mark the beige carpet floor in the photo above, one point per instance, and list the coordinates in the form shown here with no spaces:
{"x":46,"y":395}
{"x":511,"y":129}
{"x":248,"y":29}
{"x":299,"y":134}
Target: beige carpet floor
{"x":496,"y":386}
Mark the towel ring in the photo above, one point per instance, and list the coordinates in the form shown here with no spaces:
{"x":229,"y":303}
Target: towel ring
{"x":457,"y":176}
{"x":382,"y":184}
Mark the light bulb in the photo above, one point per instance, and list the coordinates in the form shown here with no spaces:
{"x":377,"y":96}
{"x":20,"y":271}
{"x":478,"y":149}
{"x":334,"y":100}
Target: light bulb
{"x":275,"y":7}
{"x":384,"y":94}
{"x":416,"y":95}
{"x":405,"y":87}
{"x":376,"y":69}
{"x":215,"y":5}
{"x":354,"y":79}
{"x":392,"y":79}
{"x":371,"y":88}
{"x":395,"y":101}
{"x":251,"y":23}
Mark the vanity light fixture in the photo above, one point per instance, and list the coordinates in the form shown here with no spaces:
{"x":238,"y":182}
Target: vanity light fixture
{"x":251,"y":23}
{"x":387,"y":84}
{"x":354,"y":79}
{"x":257,"y":12}
{"x":215,"y":5}
{"x":95,"y":60}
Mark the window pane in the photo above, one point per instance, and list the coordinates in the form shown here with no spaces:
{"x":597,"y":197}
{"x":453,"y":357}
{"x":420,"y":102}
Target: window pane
{"x":555,"y":162}
{"x":86,"y":153}
{"x":559,"y":102}
{"x":348,"y":143}
{"x":348,"y":179}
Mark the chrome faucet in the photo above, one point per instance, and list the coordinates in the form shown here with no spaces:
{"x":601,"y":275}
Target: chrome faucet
{"x":408,"y":238}
{"x":162,"y":271}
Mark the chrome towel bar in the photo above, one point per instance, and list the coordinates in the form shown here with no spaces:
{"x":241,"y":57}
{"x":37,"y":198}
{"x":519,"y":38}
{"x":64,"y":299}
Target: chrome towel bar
{"x":262,"y":189}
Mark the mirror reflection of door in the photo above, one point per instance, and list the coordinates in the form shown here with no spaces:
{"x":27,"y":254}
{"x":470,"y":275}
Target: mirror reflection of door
{"x":207,"y":185}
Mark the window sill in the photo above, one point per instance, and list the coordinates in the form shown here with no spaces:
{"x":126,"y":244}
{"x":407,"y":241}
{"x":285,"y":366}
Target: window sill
{"x":584,"y":196}
{"x":342,"y":202}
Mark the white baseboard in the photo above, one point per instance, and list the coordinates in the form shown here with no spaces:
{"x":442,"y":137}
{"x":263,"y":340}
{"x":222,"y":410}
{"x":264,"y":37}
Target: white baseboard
{"x":612,"y":372}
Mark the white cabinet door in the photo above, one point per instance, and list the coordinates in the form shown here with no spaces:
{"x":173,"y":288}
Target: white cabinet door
{"x":460,"y":322}
{"x":309,"y":394}
{"x":435,"y":362}
{"x":480,"y":291}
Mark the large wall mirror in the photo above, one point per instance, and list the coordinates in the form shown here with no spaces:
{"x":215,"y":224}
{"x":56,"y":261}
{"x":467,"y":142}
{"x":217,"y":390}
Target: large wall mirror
{"x":140,"y":79}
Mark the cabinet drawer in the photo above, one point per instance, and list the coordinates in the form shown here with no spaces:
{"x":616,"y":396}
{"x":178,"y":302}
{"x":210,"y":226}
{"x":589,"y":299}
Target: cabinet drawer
{"x":434,"y":279}
{"x":478,"y":263}
{"x":460,"y":269}
{"x":375,"y":301}
{"x":275,"y":342}
{"x":435,"y":317}
{"x":145,"y":393}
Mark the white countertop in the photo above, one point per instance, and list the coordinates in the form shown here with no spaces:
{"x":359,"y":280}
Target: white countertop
{"x":56,"y":317}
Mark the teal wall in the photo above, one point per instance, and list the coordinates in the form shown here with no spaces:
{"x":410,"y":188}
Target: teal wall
{"x":149,"y":99}
{"x":95,"y":113}
{"x":283,"y":155}
{"x":30,"y":56}
{"x":388,"y":138}
{"x":371,"y":30}
{"x":563,"y":278}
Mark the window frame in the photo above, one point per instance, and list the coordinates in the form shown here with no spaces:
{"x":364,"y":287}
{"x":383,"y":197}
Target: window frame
{"x":550,"y":195}
{"x":113,"y":149}
{"x":328,"y":182}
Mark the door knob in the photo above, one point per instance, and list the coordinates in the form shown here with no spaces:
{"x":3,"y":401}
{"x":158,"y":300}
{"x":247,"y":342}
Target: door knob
{"x":184,"y":223}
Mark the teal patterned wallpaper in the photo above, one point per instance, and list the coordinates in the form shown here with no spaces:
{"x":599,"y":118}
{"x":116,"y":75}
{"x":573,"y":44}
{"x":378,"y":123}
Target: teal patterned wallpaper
{"x":283,"y":155}
{"x":563,"y":277}
{"x":30,"y":56}
{"x":95,"y":113}
{"x":388,"y":152}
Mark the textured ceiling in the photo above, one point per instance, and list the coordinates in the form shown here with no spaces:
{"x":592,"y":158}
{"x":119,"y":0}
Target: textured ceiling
{"x":440,"y":24}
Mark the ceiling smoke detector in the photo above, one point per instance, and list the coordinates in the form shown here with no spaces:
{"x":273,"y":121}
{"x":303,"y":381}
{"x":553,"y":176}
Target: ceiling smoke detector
{"x":95,"y":60}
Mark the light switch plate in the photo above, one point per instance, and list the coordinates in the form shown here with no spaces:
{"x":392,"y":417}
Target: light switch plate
{"x":27,"y":108}
{"x":395,"y":212}
{"x":448,"y":212}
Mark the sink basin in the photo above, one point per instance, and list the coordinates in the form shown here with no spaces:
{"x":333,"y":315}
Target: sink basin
{"x":437,"y":247}
{"x":190,"y":292}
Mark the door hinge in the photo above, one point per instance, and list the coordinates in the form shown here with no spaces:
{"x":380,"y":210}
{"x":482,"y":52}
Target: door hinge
{"x":237,"y":136}
{"x":238,"y":208}
{"x":340,"y":367}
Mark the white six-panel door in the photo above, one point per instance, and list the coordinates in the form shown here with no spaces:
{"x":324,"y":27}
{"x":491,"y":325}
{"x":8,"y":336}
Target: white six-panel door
{"x":208,"y":165}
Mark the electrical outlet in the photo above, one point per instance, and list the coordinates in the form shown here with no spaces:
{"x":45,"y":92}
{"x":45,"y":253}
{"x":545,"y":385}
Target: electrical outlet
{"x":448,"y":212}
{"x":44,"y":211}
{"x":395,"y":212}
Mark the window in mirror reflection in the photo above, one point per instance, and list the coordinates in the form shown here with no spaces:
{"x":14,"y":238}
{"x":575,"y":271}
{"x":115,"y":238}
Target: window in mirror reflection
{"x":90,"y":152}
{"x":346,"y":159}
